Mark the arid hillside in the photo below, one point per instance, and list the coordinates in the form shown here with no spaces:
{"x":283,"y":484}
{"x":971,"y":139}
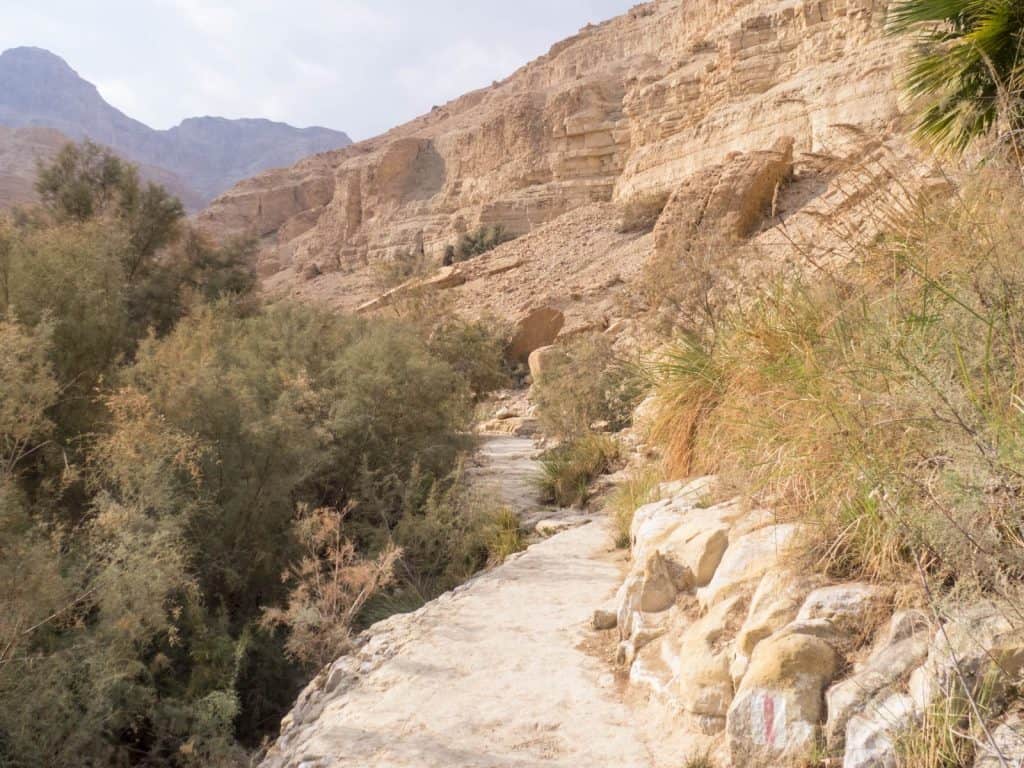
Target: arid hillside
{"x":746,"y":112}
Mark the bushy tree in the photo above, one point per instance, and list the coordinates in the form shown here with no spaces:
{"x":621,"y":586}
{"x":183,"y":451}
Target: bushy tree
{"x":82,"y":181}
{"x":159,"y":431}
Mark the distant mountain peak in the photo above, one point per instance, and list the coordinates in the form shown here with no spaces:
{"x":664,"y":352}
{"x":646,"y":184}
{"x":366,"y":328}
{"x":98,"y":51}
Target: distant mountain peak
{"x":38,"y":56}
{"x":208,"y":154}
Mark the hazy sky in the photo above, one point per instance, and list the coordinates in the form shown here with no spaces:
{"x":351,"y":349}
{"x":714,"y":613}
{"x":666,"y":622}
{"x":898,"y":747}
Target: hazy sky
{"x":357,"y":65}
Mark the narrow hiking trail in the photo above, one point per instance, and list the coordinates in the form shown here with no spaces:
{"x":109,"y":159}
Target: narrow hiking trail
{"x":491,"y":674}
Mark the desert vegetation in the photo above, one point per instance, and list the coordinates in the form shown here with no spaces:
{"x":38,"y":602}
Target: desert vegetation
{"x":586,"y":389}
{"x":201,"y":496}
{"x":477,"y":243}
{"x":881,"y":403}
{"x":966,"y":68}
{"x":569,"y":468}
{"x":585,"y":383}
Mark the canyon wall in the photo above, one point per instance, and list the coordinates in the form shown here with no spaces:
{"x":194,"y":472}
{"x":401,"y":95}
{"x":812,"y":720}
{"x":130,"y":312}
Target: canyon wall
{"x":630,"y":108}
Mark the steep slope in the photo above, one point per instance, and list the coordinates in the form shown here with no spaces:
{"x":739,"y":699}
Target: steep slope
{"x":21,"y":149}
{"x":38,"y":88}
{"x":640,"y":105}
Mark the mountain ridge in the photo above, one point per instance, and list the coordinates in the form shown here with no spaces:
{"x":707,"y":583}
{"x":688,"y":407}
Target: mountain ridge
{"x":207,"y":154}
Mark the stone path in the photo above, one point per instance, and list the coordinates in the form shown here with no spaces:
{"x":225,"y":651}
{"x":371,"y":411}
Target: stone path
{"x":491,"y":674}
{"x":507,"y":469}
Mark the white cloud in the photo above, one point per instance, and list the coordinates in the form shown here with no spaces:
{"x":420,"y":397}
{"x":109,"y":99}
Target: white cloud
{"x":122,"y":94}
{"x":459,"y":67}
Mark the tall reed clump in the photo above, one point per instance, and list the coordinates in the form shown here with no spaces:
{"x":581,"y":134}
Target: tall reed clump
{"x":882,"y":404}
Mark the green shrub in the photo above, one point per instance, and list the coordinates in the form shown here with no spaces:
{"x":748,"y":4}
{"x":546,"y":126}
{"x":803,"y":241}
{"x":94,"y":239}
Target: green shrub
{"x":481,"y":241}
{"x":158,"y":431}
{"x":504,"y":537}
{"x":454,"y":533}
{"x":329,"y":585}
{"x":294,"y":403}
{"x":585,"y":382}
{"x":568,"y":469}
{"x":475,"y":350}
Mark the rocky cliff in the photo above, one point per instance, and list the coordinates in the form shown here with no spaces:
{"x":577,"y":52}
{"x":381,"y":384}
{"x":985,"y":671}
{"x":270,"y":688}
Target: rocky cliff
{"x":39,"y":89}
{"x":651,"y":103}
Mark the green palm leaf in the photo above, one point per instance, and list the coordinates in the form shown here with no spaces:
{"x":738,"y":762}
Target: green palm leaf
{"x":966,"y":62}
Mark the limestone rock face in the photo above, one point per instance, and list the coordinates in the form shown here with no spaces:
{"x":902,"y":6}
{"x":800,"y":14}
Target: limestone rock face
{"x":980,"y":642}
{"x":1007,"y":744}
{"x":724,"y":99}
{"x":746,"y":560}
{"x":870,"y":736}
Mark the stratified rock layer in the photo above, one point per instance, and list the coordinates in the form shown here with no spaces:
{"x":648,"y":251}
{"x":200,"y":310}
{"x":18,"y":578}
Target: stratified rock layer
{"x":736,"y":98}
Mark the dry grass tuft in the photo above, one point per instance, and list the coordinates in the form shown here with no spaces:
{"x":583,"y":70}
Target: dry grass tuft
{"x":883,"y":403}
{"x":639,"y":488}
{"x":568,"y":469}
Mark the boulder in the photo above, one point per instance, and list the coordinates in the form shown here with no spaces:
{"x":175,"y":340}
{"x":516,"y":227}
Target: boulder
{"x":746,"y":560}
{"x":775,"y":603}
{"x":688,"y":536}
{"x":537,"y":329}
{"x":540,"y":359}
{"x":978,"y":643}
{"x":724,"y":202}
{"x":602,"y":619}
{"x":892,"y":659}
{"x":778,"y":707}
{"x":870,"y":735}
{"x":848,"y":606}
{"x":658,"y":588}
{"x":703,"y":686}
{"x":648,"y":591}
{"x":1006,"y":747}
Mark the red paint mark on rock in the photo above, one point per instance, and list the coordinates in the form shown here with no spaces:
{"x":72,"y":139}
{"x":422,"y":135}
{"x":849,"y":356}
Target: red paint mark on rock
{"x":769,"y":720}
